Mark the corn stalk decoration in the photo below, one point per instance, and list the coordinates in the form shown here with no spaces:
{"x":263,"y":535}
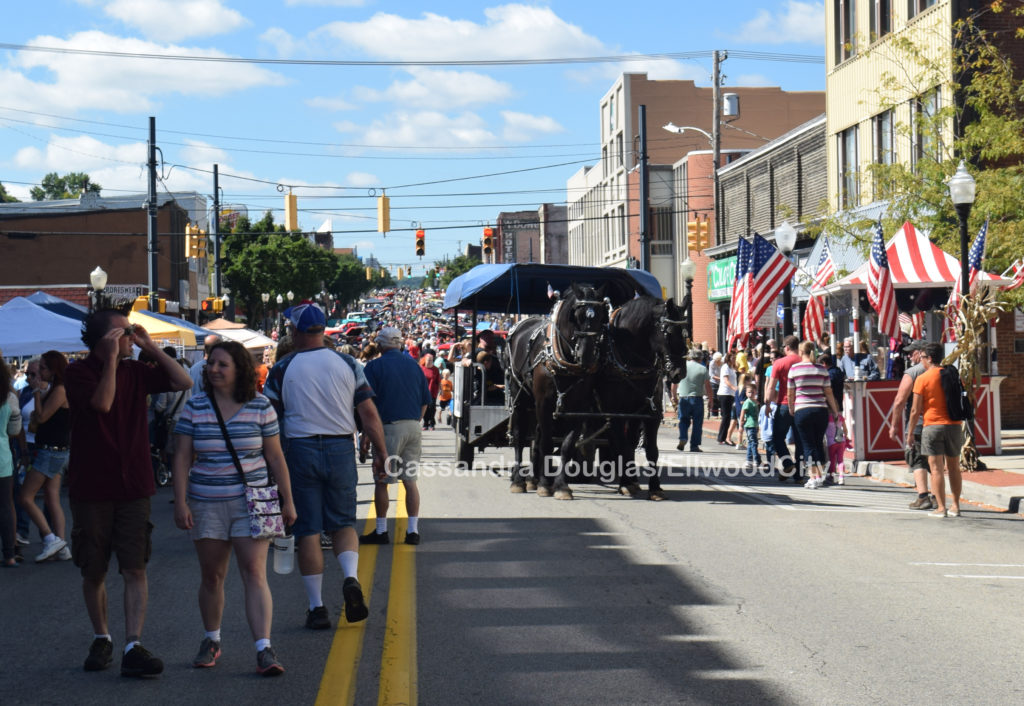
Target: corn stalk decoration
{"x":969,"y":321}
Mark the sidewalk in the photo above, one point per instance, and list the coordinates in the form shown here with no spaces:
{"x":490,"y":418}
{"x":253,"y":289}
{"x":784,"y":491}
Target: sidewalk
{"x":1001,"y":486}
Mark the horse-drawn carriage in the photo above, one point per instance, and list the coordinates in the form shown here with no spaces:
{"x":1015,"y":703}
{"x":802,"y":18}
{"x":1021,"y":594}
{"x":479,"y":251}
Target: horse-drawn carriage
{"x":583,"y":370}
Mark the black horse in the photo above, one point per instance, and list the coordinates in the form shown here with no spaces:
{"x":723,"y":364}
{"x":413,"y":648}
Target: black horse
{"x":552,"y":362}
{"x":646,"y":346}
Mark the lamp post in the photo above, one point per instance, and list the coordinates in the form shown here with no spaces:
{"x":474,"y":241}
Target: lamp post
{"x":961,"y":192}
{"x":785,"y":238}
{"x":265,"y":297}
{"x":226,"y":302}
{"x":291,"y":295}
{"x":280,"y":315}
{"x":98,"y":282}
{"x":688,"y":270}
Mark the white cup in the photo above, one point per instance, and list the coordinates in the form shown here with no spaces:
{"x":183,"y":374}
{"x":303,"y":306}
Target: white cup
{"x":284,"y":554}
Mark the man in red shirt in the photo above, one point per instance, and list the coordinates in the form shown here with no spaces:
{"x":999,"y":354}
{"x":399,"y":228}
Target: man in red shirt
{"x":110,"y":475}
{"x":776,"y":389}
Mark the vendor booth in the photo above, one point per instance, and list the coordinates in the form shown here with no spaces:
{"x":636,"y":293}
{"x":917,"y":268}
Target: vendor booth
{"x":27,"y":329}
{"x":163,"y":332}
{"x":922,"y":275}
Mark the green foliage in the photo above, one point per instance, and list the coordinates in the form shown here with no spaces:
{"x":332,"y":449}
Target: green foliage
{"x":6,"y":197}
{"x":69,"y":186}
{"x":350,"y":283}
{"x":456,"y":267}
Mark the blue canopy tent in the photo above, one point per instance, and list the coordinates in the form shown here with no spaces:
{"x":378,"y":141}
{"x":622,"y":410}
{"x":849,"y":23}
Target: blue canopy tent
{"x":28,"y":329}
{"x":523,"y":288}
{"x":58,"y":306}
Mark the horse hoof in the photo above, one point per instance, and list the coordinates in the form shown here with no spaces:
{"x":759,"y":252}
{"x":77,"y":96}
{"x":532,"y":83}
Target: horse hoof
{"x":563,"y":494}
{"x":543,"y":492}
{"x":517,"y":488}
{"x":531,"y":485}
{"x":657,"y":495}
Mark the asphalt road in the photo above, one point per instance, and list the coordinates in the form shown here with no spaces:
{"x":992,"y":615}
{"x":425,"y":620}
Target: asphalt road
{"x":733,"y":590}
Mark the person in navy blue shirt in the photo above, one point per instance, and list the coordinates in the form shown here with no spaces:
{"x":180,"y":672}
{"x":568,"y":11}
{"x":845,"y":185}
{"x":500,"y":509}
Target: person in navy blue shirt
{"x":402,"y":397}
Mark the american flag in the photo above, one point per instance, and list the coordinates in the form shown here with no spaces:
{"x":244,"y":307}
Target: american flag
{"x":1018,"y":275}
{"x":739,"y":288}
{"x":974,"y":258}
{"x":814,"y":315}
{"x":914,"y":324}
{"x":880,"y":291}
{"x":769,"y":272}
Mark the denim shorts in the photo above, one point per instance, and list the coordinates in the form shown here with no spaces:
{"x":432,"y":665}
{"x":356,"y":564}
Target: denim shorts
{"x":49,"y":462}
{"x":323,"y":477}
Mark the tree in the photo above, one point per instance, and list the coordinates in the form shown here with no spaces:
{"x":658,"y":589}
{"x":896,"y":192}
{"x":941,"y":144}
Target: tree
{"x":6,"y":197}
{"x":69,"y":186}
{"x":456,"y":267}
{"x":350,"y":283}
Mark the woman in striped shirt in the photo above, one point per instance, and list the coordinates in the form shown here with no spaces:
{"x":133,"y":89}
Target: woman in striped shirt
{"x":810,"y":396}
{"x":209,"y":496}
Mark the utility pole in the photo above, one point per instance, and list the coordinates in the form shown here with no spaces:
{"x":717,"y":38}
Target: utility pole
{"x":645,"y":195}
{"x":151,"y":226}
{"x":716,"y":137}
{"x":216,"y":230}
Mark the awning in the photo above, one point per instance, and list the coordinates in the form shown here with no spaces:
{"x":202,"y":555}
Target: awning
{"x":162,"y":331}
{"x":247,"y":337}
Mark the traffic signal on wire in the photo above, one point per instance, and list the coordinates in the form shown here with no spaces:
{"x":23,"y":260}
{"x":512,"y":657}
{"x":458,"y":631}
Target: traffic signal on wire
{"x":693,"y":236}
{"x":421,"y":247}
{"x":488,"y":241}
{"x":702,"y":234}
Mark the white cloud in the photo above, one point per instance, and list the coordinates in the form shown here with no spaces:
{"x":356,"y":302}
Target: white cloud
{"x":522,"y":127}
{"x":282,"y":41}
{"x":327,"y":103}
{"x":202,"y":153}
{"x":435,"y":89}
{"x":426,"y":129}
{"x":326,"y":3}
{"x":510,"y":31}
{"x":76,"y":81}
{"x":361,"y":179}
{"x":174,"y":20}
{"x":797,"y":22}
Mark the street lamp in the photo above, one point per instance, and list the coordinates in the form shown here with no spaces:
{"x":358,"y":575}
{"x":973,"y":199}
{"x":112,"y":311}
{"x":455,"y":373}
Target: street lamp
{"x":291,"y":295}
{"x":265,"y":297}
{"x":688,"y":270}
{"x":98,"y":282}
{"x":280,"y":314}
{"x":785,"y":238}
{"x":961,"y":191}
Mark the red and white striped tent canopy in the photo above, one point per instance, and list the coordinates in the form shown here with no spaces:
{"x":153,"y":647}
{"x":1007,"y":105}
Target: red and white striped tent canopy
{"x":914,"y":262}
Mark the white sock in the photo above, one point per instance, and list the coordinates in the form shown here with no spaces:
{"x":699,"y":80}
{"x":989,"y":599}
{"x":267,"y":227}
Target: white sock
{"x":414,"y":524}
{"x":349,"y":563}
{"x":262,"y":644}
{"x":50,"y":538}
{"x":129,"y":646}
{"x":102,"y":637}
{"x":214,"y":634}
{"x":314,"y":589}
{"x":382,"y":525}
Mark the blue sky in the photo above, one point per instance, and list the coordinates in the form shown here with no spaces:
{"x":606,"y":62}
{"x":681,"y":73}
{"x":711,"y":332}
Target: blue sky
{"x":355,"y":129}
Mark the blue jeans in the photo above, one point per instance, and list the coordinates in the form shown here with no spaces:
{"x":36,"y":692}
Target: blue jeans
{"x":323,"y":478}
{"x":811,"y":423}
{"x":691,"y":409}
{"x":752,"y":455}
{"x":783,"y":422}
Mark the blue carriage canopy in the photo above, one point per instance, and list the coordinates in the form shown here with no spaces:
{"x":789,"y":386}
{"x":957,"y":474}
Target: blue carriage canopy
{"x":523,"y":288}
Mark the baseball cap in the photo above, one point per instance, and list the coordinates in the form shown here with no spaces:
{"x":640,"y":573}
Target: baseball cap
{"x":389,"y":337}
{"x":915,"y":346}
{"x":305,"y":317}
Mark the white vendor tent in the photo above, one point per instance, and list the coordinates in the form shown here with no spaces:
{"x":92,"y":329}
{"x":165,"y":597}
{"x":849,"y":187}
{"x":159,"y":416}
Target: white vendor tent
{"x":27,"y":329}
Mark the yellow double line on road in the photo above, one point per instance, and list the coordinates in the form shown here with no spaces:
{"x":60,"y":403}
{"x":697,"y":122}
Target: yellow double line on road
{"x":398,"y":674}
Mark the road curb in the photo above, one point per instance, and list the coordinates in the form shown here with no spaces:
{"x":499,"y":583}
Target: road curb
{"x":1006,"y":498}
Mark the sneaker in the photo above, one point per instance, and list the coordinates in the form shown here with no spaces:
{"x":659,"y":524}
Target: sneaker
{"x":355,"y":606}
{"x":681,"y":446}
{"x":209,"y":651}
{"x":827,"y":480}
{"x":325,"y":541}
{"x":412,"y":538}
{"x":374,"y":538}
{"x":920,"y":503}
{"x":139,"y":662}
{"x":840,"y":480}
{"x":267,"y":663}
{"x":63,"y":555}
{"x":952,"y":513}
{"x":937,"y":513}
{"x":20,"y":539}
{"x":101,"y":655}
{"x":317,"y":619}
{"x":51,"y":548}
{"x":811,"y":483}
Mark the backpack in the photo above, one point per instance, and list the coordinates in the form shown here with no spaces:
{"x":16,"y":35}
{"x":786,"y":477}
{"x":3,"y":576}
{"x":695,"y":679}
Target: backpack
{"x":957,"y":402}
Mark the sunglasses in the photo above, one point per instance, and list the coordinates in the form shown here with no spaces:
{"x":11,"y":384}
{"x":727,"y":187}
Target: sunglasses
{"x":129,"y":330}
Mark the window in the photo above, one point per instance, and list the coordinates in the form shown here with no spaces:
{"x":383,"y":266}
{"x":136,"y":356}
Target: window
{"x":611,"y":114}
{"x":848,"y":185}
{"x":619,"y":155}
{"x":927,"y":129}
{"x":881,"y":126}
{"x":845,"y":18}
{"x":916,"y":7}
{"x":881,"y":18}
{"x":604,"y":162}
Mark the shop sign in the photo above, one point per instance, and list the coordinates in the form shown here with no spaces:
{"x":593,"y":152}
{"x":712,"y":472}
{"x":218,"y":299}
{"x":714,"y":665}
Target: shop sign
{"x":721,"y":277}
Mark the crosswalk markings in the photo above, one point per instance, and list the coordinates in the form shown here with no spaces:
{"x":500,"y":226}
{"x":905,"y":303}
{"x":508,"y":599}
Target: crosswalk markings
{"x":949,"y":564}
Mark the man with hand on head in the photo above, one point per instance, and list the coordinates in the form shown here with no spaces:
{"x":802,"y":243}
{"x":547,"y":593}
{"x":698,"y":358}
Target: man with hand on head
{"x":110,"y":475}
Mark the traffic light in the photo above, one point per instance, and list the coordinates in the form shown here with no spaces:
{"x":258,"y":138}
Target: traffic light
{"x":218,"y":305}
{"x":401,"y":273}
{"x":383,"y":214}
{"x":693,"y":236}
{"x":369,"y":273}
{"x":207,"y":305}
{"x":291,"y":212}
{"x":195,"y":241}
{"x":488,"y":241}
{"x":703,"y":236}
{"x":421,"y":247}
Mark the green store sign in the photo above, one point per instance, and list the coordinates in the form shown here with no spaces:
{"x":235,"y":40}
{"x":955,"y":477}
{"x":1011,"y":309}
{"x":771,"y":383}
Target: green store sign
{"x":721,"y":275}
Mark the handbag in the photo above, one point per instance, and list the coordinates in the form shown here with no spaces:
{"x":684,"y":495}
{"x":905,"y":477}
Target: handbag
{"x":264,"y":502}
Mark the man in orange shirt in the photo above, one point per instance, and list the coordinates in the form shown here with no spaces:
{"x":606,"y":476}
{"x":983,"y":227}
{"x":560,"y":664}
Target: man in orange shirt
{"x":941,"y":438}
